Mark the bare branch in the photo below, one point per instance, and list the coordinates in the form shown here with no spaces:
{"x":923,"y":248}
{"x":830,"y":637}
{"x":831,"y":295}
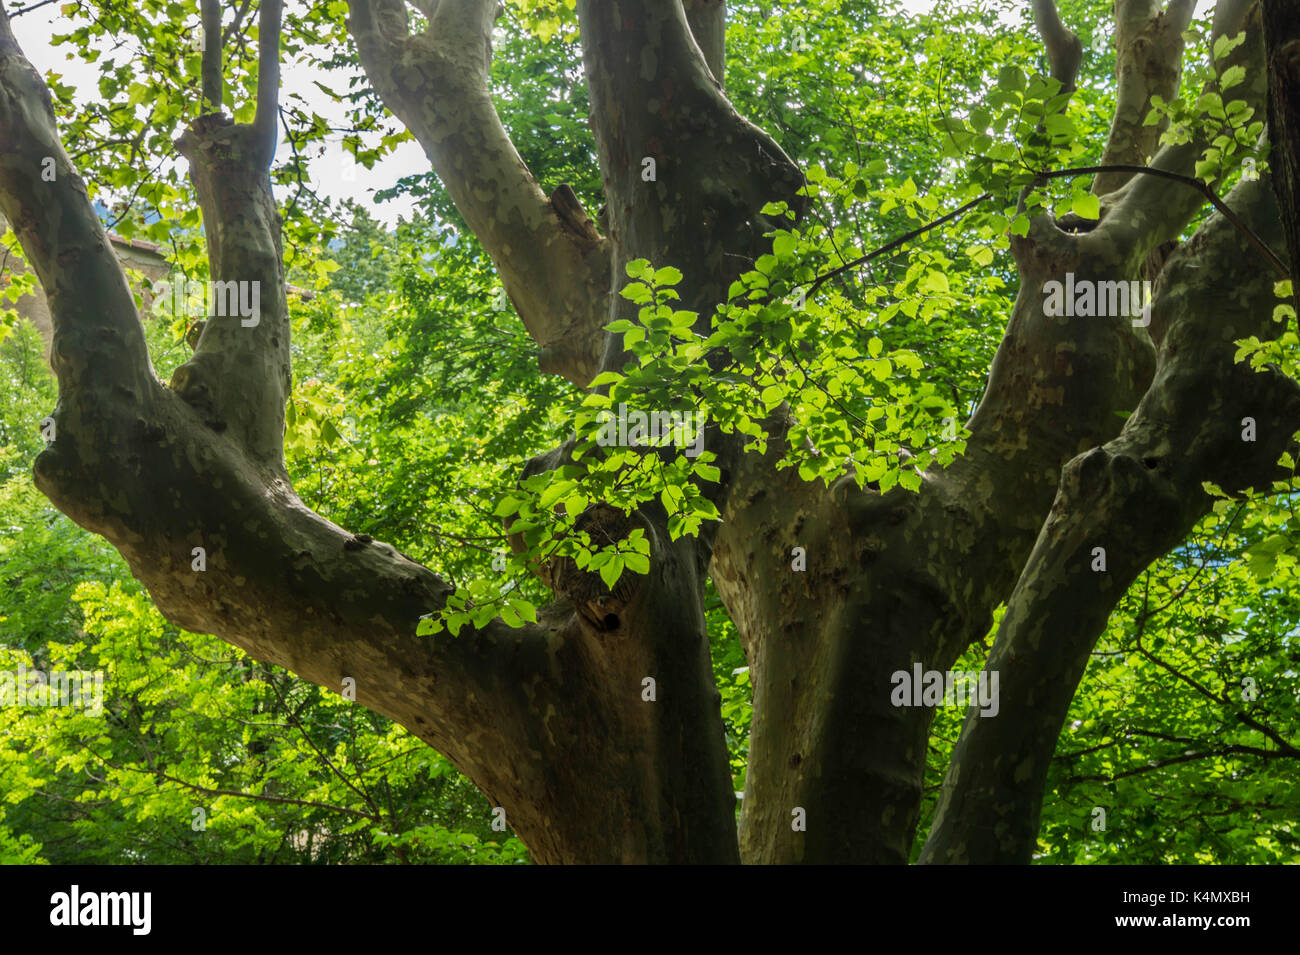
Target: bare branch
{"x":1149,"y":210}
{"x":213,"y":45}
{"x":98,"y":341}
{"x":1230,"y":17}
{"x":1282,"y":43}
{"x":1064,"y":50}
{"x":268,"y":77}
{"x":237,"y":23}
{"x":553,"y":264}
{"x":1148,"y":57}
{"x":238,"y":379}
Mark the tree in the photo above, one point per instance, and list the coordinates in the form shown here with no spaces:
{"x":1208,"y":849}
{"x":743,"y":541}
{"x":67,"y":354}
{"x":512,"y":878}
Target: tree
{"x":848,"y":541}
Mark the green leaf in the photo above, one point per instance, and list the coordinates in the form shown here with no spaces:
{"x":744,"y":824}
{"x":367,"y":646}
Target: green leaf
{"x":612,"y":570}
{"x":1086,"y":206}
{"x":667,"y":276}
{"x":1011,"y":78}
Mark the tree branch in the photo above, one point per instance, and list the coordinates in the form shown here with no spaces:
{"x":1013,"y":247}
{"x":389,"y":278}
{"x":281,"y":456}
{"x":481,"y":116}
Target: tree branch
{"x":1218,"y":752}
{"x":268,"y":77}
{"x":213,"y":45}
{"x":1200,"y":186}
{"x":238,"y":378}
{"x":708,"y":22}
{"x":98,"y":340}
{"x":1064,"y":50}
{"x":1148,"y":55}
{"x":1147,"y":210}
{"x":1282,"y":46}
{"x":1135,"y":498}
{"x":555,"y":268}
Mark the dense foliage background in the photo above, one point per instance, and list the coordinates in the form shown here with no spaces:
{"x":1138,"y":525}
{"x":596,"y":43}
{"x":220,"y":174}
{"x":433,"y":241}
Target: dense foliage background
{"x":417,"y":400}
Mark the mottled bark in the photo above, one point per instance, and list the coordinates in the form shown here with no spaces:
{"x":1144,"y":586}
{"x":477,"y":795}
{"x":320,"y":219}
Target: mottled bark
{"x":239,"y":376}
{"x":708,"y":21}
{"x":1135,"y":497}
{"x":435,"y":81}
{"x":1148,"y":61}
{"x":907,"y":578}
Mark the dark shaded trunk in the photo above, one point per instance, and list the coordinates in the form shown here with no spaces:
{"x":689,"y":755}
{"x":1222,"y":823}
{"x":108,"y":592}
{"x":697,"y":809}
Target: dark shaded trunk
{"x":1282,"y":39}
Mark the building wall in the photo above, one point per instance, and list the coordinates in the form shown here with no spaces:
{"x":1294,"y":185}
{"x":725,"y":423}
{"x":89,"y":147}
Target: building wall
{"x":145,"y":257}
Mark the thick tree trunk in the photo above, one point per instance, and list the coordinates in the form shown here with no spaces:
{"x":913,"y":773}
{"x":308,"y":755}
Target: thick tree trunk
{"x":897,"y":580}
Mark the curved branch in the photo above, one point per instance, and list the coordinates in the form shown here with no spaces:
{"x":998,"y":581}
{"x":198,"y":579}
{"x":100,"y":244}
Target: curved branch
{"x":1201,"y":186}
{"x":1148,"y":210}
{"x":1198,"y":184}
{"x":1282,"y":45}
{"x":1064,"y":50}
{"x":708,"y":22}
{"x":1134,"y":498}
{"x":98,"y":341}
{"x":553,"y":264}
{"x":1148,"y":54}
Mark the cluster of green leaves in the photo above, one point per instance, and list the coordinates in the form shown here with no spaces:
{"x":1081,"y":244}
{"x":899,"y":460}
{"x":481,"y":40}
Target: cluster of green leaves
{"x":858,"y":102}
{"x":1281,"y":352}
{"x":1230,"y":126}
{"x":19,"y":281}
{"x":545,"y":19}
{"x":844,"y":378}
{"x":1023,"y":129}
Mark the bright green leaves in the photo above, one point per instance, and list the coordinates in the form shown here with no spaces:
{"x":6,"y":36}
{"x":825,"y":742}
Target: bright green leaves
{"x":638,"y":439}
{"x":1086,"y":205}
{"x":632,"y":554}
{"x":17,"y":283}
{"x":547,"y":19}
{"x":858,"y":400}
{"x":1025,"y":125}
{"x":312,"y":418}
{"x":1011,"y":80}
{"x":1281,"y":352}
{"x":1228,"y":125}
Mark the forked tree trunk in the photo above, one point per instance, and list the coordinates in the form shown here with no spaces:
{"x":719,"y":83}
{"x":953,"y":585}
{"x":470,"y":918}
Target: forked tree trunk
{"x":551,"y":720}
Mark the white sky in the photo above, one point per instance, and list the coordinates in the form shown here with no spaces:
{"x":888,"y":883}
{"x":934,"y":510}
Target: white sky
{"x":333,"y":173}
